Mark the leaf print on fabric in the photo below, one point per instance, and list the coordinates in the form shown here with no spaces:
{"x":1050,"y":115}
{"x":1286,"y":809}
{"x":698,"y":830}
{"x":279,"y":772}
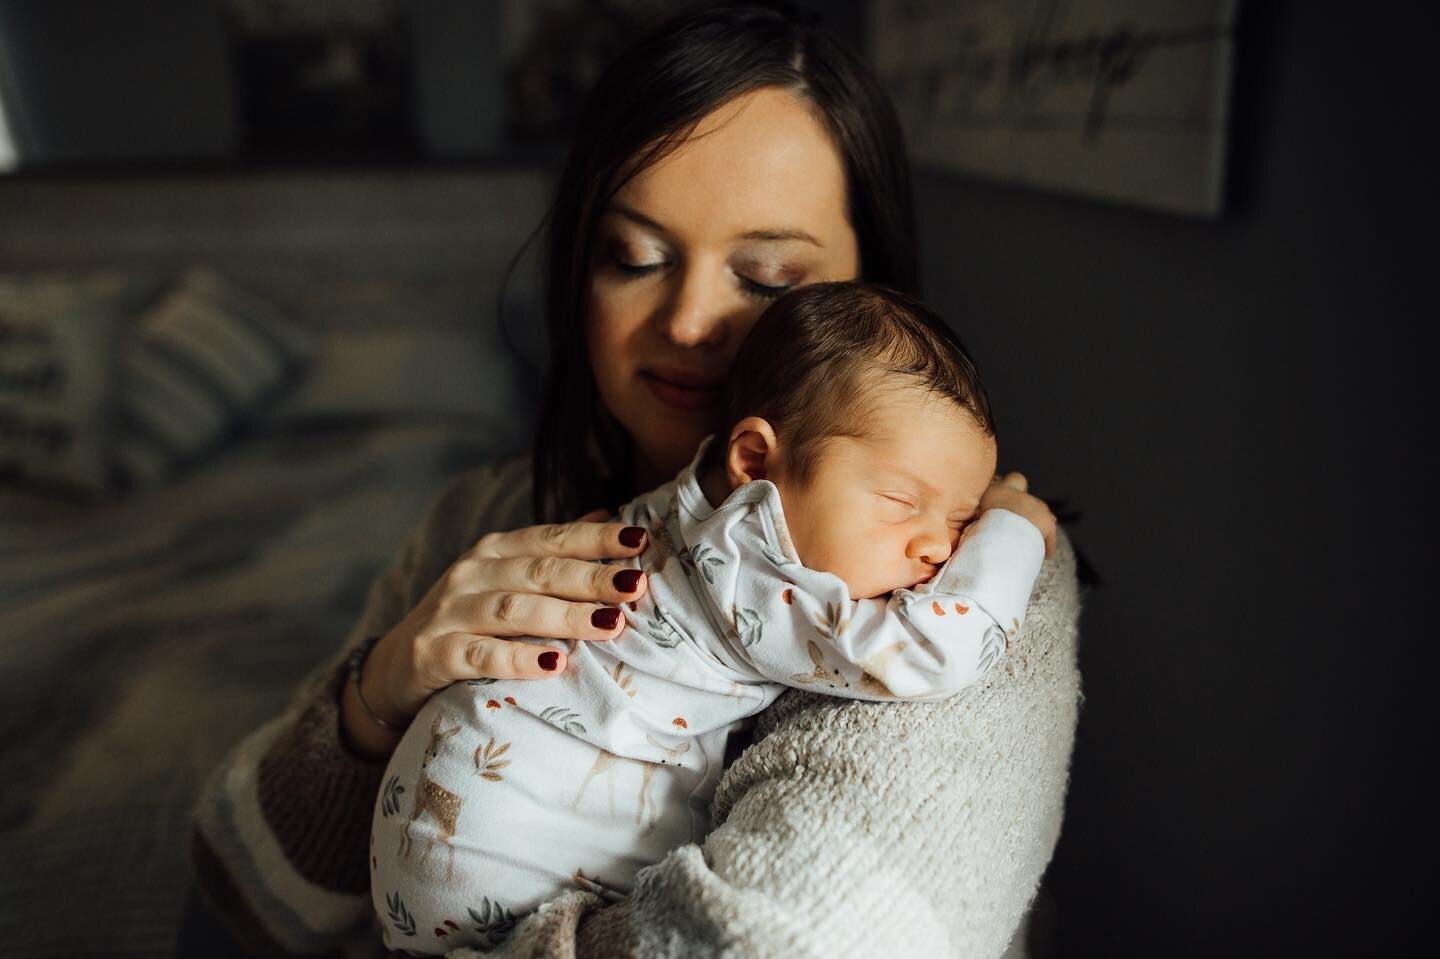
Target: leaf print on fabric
{"x":749,"y":626}
{"x":493,"y":922}
{"x":701,"y":558}
{"x":623,"y":679}
{"x":992,"y":647}
{"x":487,"y":760}
{"x":400,"y":917}
{"x":390,"y":798}
{"x":584,"y":882}
{"x":822,"y":676}
{"x":661,"y":631}
{"x":563,"y":717}
{"x":775,"y":556}
{"x":832,"y":623}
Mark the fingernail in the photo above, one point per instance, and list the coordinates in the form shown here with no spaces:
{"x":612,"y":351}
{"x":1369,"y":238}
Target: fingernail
{"x":627,"y":580}
{"x":632,"y":536}
{"x":548,"y":661}
{"x":605,"y":618}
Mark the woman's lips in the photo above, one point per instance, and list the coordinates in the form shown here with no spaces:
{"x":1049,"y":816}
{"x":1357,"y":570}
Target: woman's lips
{"x":691,"y":396}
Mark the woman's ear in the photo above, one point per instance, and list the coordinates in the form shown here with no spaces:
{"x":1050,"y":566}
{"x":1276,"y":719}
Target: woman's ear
{"x":753,"y":452}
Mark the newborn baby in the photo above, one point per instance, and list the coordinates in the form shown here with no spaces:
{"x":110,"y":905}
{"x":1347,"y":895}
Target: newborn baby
{"x":827,"y":539}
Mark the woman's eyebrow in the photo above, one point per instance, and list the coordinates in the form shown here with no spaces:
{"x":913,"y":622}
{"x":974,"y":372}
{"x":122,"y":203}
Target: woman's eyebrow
{"x":771,"y":234}
{"x":635,"y":216}
{"x":780,"y":235}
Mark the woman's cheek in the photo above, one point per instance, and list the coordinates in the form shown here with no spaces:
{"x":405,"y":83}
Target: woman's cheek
{"x":616,"y":314}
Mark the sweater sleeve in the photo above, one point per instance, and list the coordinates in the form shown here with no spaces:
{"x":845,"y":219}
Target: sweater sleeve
{"x":867,"y":828}
{"x":929,"y":642}
{"x":279,"y":835}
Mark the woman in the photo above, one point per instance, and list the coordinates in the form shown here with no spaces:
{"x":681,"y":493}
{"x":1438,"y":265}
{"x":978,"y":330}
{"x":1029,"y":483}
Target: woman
{"x":729,"y":157}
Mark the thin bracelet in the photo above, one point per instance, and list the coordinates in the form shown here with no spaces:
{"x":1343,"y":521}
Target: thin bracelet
{"x":357,"y":661}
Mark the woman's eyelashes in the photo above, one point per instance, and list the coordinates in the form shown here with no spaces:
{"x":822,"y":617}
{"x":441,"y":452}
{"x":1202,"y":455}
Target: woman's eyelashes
{"x":631,"y":266}
{"x":761,"y":290}
{"x":637,"y":269}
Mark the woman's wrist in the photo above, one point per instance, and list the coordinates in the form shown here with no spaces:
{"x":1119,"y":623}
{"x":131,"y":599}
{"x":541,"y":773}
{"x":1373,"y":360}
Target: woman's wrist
{"x":367,"y":731}
{"x":361,"y":734}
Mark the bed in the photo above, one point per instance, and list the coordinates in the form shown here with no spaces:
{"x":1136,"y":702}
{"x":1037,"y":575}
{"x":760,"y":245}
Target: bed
{"x":143,"y":634}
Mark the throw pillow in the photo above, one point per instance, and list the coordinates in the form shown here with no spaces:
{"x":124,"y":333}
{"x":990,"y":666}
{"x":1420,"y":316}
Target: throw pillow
{"x":197,"y":363}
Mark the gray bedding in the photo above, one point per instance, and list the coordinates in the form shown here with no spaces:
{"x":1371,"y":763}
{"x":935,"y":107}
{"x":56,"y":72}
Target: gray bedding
{"x":141,"y":637}
{"x":138,"y":641}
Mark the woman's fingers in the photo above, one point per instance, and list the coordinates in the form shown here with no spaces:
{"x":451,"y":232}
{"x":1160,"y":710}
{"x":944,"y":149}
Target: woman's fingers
{"x":465,"y":656}
{"x":578,"y":540}
{"x":533,"y":614}
{"x":573,"y":579}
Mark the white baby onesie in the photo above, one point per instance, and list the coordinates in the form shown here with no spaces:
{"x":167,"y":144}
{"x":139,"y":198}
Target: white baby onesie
{"x":504,"y":793}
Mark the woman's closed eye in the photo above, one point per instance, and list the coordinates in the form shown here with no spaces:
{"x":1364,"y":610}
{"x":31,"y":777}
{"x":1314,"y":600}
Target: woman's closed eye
{"x":761,"y":290}
{"x":638,"y":269}
{"x":750,"y":287}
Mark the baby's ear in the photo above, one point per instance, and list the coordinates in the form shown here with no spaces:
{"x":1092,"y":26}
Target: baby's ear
{"x":752,"y":452}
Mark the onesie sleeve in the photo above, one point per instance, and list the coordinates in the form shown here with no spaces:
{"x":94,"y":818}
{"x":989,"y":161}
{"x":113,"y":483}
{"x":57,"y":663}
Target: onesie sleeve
{"x":799,"y":627}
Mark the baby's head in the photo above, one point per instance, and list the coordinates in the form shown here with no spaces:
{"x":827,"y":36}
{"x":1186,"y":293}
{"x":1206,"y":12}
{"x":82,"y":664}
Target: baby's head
{"x":866,"y":412}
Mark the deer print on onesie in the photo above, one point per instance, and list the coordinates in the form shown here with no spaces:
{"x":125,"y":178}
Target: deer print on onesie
{"x":503,"y":794}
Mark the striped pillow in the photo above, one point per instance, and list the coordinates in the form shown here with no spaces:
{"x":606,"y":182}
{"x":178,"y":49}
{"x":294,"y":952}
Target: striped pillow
{"x":58,"y":336}
{"x":197,"y":363}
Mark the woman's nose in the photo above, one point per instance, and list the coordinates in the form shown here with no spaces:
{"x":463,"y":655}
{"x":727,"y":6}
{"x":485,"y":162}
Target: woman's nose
{"x":696,"y":313}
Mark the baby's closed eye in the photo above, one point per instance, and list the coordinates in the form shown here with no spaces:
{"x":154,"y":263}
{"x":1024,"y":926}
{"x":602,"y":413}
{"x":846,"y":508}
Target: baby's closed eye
{"x":898,"y":506}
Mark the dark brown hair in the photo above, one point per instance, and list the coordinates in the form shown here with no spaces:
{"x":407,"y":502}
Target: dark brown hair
{"x":643,"y":107}
{"x":804,"y":364}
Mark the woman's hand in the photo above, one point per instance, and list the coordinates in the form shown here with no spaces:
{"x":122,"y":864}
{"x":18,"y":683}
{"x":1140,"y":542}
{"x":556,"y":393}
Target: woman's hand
{"x":1012,"y":492}
{"x":535,"y":581}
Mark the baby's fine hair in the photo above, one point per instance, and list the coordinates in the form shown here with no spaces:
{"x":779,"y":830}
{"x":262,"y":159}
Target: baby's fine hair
{"x":804,"y":365}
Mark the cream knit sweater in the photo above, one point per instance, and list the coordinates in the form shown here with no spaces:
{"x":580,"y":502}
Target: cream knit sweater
{"x":846,"y":828}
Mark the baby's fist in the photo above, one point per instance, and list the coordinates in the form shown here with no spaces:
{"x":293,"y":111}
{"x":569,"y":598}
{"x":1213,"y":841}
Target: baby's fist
{"x":1011,"y":492}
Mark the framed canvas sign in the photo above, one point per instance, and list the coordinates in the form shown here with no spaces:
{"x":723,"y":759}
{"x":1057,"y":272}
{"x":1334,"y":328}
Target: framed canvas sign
{"x":1120,"y":100}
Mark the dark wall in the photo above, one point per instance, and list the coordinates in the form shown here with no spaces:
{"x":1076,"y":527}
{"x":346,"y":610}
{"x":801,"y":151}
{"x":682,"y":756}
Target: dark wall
{"x":1231,"y":404}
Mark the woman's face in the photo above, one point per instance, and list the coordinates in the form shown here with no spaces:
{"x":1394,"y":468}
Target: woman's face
{"x":692,"y":250}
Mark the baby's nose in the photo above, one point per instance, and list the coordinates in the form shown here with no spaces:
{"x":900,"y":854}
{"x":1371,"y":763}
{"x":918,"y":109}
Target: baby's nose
{"x":933,"y":549}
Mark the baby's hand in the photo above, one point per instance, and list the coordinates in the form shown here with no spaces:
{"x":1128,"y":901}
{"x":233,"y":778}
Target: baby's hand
{"x":1011,"y":492}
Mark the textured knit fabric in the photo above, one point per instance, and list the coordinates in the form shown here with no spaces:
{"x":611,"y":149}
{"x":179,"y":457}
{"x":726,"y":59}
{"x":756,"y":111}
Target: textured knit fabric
{"x":846,"y":828}
{"x":503,"y":794}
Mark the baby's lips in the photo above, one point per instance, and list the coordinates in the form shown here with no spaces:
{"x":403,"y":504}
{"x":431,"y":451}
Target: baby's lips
{"x":924,"y":579}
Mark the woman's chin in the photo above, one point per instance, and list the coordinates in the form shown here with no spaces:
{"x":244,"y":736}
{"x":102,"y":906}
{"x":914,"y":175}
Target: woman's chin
{"x":668,"y":449}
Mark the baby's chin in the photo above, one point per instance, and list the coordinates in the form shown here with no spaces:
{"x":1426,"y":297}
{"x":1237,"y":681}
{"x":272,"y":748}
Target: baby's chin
{"x":861,"y":591}
{"x":881,"y":590}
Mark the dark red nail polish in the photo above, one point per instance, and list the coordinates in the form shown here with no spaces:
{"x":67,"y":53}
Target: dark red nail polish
{"x":605,"y":618}
{"x":632,"y":536}
{"x":627,"y":580}
{"x":548,"y":661}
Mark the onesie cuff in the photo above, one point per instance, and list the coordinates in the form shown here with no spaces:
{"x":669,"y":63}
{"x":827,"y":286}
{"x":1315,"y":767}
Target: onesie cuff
{"x":996,"y":566}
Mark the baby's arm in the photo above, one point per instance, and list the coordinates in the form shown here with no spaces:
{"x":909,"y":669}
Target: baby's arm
{"x":802,"y":629}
